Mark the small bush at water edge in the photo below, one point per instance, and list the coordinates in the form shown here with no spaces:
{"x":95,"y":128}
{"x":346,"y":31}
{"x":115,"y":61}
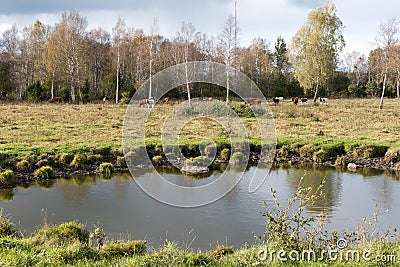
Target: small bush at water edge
{"x":45,"y":172}
{"x":7,"y":176}
{"x":106,"y":168}
{"x":123,"y":248}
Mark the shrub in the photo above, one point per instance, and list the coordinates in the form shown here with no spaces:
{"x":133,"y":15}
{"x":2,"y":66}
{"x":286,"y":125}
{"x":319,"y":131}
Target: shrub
{"x":157,"y":160}
{"x":7,"y":176}
{"x":243,"y":110}
{"x":392,"y":155}
{"x":23,"y":165}
{"x":42,"y":162}
{"x":45,"y":172}
{"x":197,"y":161}
{"x":106,"y":168}
{"x":123,"y":248}
{"x":65,"y":158}
{"x":367,"y":151}
{"x":121,"y":161}
{"x":342,"y":161}
{"x":238,"y":158}
{"x":6,"y":227}
{"x":94,"y":158}
{"x":307,"y":151}
{"x":68,"y":232}
{"x":334,"y":150}
{"x":116,"y":152}
{"x":320,"y":156}
{"x":225,"y":153}
{"x":221,"y":251}
{"x":79,"y":161}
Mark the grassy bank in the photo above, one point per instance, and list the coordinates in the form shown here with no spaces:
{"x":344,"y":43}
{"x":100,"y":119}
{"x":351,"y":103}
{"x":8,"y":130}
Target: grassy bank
{"x":71,"y":138}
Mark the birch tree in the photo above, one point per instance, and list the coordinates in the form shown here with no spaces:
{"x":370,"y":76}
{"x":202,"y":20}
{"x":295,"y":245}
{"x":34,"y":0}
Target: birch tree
{"x":315,"y":48}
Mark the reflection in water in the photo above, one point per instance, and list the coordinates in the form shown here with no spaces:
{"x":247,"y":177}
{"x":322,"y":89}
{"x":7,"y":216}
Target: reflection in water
{"x":121,"y":207}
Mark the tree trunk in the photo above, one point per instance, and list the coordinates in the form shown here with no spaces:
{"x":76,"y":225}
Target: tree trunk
{"x":117,"y":88}
{"x":383,"y":92}
{"x":73,"y":94}
{"x":316,"y":93}
{"x":227,"y":85}
{"x":187,"y":82}
{"x":52,"y":88}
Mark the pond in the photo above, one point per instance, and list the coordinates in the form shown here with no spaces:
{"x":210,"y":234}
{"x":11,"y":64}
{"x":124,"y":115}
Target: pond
{"x":123,"y":210}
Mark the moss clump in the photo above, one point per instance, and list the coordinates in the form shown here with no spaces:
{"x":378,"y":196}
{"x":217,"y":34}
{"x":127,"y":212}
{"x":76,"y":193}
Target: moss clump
{"x":65,"y":158}
{"x":79,"y":161}
{"x":157,"y":160}
{"x":197,"y":161}
{"x":307,"y":151}
{"x":45,"y":172}
{"x":367,"y":151}
{"x":342,"y":161}
{"x":23,"y":166}
{"x":238,"y":158}
{"x":225,"y":153}
{"x":320,"y":156}
{"x":65,"y":233}
{"x":106,"y":168}
{"x":7,"y":177}
{"x":94,"y":158}
{"x":123,"y":248}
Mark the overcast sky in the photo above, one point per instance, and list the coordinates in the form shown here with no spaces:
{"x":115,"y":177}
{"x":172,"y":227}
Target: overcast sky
{"x":257,"y":18}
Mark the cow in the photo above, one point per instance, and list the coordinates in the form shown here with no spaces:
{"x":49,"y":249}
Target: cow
{"x":303,"y":100}
{"x":295,"y":100}
{"x":149,"y":102}
{"x":56,"y":99}
{"x":166,"y":100}
{"x":278,"y":100}
{"x":323,"y":100}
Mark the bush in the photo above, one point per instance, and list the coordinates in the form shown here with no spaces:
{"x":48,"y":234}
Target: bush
{"x":65,"y":158}
{"x":6,"y":227}
{"x":334,"y":150}
{"x":23,"y":165}
{"x":121,"y":161}
{"x":45,"y":172}
{"x":7,"y":176}
{"x":368,"y":151}
{"x":79,"y":161}
{"x":221,"y":251}
{"x":320,"y":156}
{"x":307,"y":151}
{"x":238,"y":158}
{"x":225,"y":153}
{"x":243,"y":110}
{"x":68,"y":232}
{"x":123,"y":248}
{"x":197,"y":161}
{"x":392,"y":155}
{"x":157,"y":160}
{"x":106,"y":168}
{"x":94,"y":158}
{"x":342,"y":161}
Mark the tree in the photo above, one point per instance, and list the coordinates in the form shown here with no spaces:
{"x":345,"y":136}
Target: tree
{"x":387,"y":39}
{"x":118,"y":34}
{"x":316,"y":46}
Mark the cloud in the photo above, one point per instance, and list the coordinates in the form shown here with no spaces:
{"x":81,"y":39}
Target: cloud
{"x":306,"y":3}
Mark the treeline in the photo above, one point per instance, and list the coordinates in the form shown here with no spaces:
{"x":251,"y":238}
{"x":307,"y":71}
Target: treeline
{"x":68,"y":60}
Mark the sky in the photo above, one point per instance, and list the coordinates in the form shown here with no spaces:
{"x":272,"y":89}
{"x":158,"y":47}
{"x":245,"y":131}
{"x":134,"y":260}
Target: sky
{"x":257,"y":18}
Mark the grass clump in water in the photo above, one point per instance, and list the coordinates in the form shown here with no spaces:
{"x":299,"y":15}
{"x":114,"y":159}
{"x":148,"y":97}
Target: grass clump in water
{"x":7,"y":177}
{"x":45,"y":172}
{"x":106,"y":168}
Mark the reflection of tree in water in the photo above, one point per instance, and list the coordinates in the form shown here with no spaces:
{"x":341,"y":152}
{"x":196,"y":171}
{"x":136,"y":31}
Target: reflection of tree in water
{"x":6,"y":194}
{"x":331,"y":191}
{"x":76,"y":188}
{"x":394,"y":174}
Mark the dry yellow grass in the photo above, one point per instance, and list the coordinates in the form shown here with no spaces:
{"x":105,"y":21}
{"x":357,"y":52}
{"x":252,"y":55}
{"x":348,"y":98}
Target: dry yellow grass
{"x":48,"y":125}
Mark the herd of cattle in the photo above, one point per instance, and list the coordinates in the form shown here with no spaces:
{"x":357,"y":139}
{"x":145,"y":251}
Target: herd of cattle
{"x":296,"y":100}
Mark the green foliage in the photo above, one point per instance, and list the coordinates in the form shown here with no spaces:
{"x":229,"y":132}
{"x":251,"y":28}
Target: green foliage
{"x":45,"y":172}
{"x":367,"y":151}
{"x":198,"y":161}
{"x":320,"y":156}
{"x":342,"y":161}
{"x":7,"y":177}
{"x":79,"y":161}
{"x":316,"y":46}
{"x":121,"y":161}
{"x":225,"y":153}
{"x":221,"y":251}
{"x":123,"y":248}
{"x":244,"y":110}
{"x":288,"y":227}
{"x":6,"y":227}
{"x":307,"y":151}
{"x":65,"y":158}
{"x":238,"y":158}
{"x":106,"y":168}
{"x":157,"y":160}
{"x":36,"y":92}
{"x":65,"y":233}
{"x":23,"y":165}
{"x":6,"y":83}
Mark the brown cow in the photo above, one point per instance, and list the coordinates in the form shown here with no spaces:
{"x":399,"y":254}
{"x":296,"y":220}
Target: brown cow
{"x":166,"y":100}
{"x":56,"y":99}
{"x":295,"y":100}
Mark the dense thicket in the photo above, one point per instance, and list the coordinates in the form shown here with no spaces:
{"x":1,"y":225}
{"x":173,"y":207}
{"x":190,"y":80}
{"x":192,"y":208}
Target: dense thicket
{"x":79,"y":64}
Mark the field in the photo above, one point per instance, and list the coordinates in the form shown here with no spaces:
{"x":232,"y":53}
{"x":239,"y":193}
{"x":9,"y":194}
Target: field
{"x":48,"y":126}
